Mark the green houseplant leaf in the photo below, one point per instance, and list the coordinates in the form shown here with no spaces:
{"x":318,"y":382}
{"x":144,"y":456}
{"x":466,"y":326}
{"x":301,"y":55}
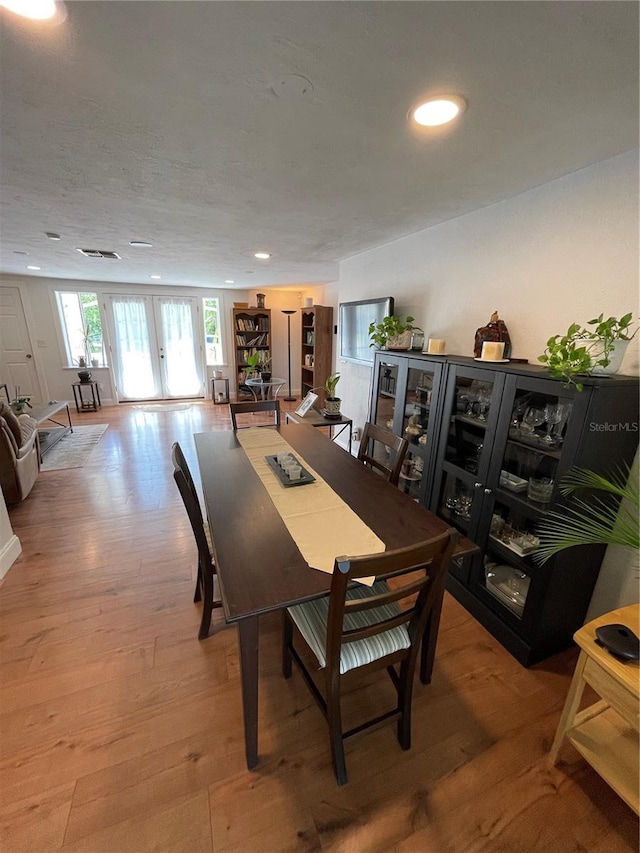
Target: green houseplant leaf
{"x":390,"y":327}
{"x":582,"y":349}
{"x":594,"y":519}
{"x":330,"y":385}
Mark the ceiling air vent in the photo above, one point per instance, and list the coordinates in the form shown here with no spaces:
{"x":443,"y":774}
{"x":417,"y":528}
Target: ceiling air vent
{"x":99,"y":253}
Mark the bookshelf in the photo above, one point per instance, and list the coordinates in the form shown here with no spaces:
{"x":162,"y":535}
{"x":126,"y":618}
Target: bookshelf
{"x":252,"y":333}
{"x":316,"y":349}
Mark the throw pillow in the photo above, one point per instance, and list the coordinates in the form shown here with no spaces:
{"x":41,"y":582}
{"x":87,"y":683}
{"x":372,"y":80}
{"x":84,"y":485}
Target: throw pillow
{"x":12,"y":422}
{"x":28,"y":426}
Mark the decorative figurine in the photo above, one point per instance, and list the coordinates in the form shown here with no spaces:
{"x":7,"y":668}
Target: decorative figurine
{"x":496,"y":331}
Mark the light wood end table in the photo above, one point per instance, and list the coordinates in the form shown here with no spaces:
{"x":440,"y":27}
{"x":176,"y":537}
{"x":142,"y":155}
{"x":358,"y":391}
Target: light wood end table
{"x":605,"y":733}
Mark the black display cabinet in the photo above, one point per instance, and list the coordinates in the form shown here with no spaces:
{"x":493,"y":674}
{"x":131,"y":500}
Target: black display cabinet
{"x":504,"y":435}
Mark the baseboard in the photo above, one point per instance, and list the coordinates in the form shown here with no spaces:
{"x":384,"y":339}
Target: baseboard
{"x":9,"y":554}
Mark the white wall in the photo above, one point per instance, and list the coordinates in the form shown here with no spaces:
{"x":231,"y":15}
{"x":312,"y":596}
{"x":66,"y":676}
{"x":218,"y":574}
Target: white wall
{"x":38,"y":297}
{"x":10,"y":547}
{"x":563,"y":252}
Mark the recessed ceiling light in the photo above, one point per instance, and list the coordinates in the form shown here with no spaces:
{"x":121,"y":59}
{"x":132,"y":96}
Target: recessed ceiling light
{"x":31,"y":267}
{"x":229,"y":281}
{"x":140,"y":244}
{"x":439,"y":110}
{"x":263,"y":256}
{"x":39,"y":10}
{"x":52,"y":235}
{"x":155,"y":276}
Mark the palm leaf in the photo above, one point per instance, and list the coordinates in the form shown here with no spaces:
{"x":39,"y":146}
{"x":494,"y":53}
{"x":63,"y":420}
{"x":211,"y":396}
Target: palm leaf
{"x":598,"y":520}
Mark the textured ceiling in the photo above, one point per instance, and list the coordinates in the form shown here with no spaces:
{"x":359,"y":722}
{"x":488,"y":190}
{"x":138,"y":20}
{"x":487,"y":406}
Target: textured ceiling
{"x":158,"y":121}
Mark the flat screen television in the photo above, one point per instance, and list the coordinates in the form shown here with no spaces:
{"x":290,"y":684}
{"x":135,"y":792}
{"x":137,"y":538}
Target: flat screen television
{"x":353,"y":327}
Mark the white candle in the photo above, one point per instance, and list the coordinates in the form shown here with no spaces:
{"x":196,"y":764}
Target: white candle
{"x":492,"y":351}
{"x":436,"y":346}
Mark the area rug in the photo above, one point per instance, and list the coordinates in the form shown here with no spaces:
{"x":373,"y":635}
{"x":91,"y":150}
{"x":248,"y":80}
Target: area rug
{"x":164,"y":407}
{"x":74,"y":449}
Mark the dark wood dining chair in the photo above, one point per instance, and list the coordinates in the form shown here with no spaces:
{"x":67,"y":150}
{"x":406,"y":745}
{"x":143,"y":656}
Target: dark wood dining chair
{"x":358,"y":628}
{"x":253,"y":407}
{"x":205,"y":584}
{"x":393,"y":455}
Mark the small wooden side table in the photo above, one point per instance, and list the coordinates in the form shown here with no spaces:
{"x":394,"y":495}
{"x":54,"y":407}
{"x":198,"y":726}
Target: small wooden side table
{"x":83,"y":405}
{"x":605,"y":733}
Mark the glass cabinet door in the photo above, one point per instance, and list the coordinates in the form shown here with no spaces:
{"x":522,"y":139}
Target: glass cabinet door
{"x":389,"y":380}
{"x":535,"y":442}
{"x":471,"y":412}
{"x":418,"y":424}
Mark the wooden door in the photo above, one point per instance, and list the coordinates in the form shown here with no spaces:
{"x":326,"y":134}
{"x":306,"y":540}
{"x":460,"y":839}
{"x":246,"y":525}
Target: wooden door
{"x":17,"y":365}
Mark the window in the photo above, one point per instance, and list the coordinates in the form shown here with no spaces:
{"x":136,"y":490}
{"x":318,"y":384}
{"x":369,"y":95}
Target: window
{"x":212,"y":332}
{"x":81,"y":328}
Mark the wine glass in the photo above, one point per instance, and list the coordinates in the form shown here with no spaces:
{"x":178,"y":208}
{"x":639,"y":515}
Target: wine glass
{"x":552,"y":416}
{"x":533,"y":417}
{"x":484,"y":400}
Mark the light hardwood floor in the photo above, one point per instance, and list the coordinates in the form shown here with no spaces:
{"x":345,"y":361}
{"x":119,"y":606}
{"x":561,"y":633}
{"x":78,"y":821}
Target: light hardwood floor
{"x":119,"y":731}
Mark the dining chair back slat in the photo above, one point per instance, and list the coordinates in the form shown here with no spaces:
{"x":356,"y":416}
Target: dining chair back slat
{"x":395,"y":450}
{"x":252,"y":408}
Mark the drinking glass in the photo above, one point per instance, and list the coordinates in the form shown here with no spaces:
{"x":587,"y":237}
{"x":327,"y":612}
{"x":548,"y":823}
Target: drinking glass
{"x":534,"y":416}
{"x":552,"y":416}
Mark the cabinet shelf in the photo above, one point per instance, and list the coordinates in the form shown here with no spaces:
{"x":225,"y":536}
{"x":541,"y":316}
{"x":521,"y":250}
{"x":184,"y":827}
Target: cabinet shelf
{"x":536,"y":448}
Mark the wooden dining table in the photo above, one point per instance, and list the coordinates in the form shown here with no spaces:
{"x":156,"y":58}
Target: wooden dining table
{"x":259,"y":566}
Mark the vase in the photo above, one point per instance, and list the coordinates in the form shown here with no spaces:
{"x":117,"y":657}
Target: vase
{"x":400,"y":342}
{"x":332,"y":407}
{"x":616,"y":356}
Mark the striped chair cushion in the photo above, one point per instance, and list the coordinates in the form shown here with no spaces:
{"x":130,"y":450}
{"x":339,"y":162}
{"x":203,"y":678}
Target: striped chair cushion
{"x":311,"y":619}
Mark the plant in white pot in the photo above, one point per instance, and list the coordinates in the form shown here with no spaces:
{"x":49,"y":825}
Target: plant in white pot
{"x":393,"y":333}
{"x":585,"y":351}
{"x":331,"y":402}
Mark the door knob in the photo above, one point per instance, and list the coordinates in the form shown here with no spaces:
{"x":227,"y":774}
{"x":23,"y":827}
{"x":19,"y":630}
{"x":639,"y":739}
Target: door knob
{"x":487,"y":491}
{"x":28,"y":355}
{"x":477,"y":485}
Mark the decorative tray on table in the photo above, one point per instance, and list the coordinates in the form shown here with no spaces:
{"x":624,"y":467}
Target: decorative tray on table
{"x":303,"y":480}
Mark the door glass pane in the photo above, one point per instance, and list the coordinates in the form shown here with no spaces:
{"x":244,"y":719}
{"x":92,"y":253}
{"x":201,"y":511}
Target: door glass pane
{"x":134,"y":368}
{"x":411,"y":474}
{"x":182,"y":376}
{"x":534,"y":446}
{"x":386,"y":397}
{"x":417,"y":407}
{"x":456,"y":501}
{"x":468,"y":420}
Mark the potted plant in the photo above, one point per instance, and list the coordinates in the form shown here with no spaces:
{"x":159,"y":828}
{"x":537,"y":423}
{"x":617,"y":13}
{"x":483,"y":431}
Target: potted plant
{"x":331,"y":402}
{"x":593,"y":519}
{"x":392,"y":332}
{"x":584,"y":351}
{"x":265,"y":370}
{"x":253,"y":361}
{"x":20,"y":402}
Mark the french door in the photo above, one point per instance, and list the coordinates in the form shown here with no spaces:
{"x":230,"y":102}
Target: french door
{"x":156,"y":347}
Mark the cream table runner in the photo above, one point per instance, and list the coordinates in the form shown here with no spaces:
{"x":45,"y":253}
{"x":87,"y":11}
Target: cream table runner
{"x":321,"y":524}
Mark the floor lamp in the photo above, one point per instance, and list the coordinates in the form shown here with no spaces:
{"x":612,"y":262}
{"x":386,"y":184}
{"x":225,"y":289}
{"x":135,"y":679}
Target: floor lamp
{"x":289,"y":313}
